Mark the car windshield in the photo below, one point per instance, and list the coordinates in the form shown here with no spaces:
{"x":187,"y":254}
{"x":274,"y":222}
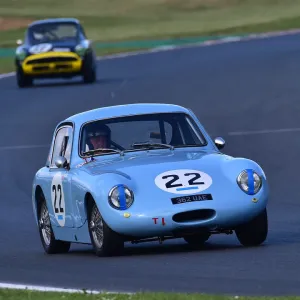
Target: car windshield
{"x":140,"y":132}
{"x":53,"y":32}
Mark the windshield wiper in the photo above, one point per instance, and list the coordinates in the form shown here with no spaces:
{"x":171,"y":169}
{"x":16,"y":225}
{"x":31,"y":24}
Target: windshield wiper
{"x":91,"y":152}
{"x":152,"y":145}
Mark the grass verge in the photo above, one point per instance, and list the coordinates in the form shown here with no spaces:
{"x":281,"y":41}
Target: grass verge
{"x":119,"y":20}
{"x":107,"y":20}
{"x":6,"y":65}
{"x":31,"y":295}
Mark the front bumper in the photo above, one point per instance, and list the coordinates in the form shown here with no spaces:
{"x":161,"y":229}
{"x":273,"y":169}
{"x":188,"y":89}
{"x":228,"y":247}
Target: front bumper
{"x":188,"y":217}
{"x":52,"y":63}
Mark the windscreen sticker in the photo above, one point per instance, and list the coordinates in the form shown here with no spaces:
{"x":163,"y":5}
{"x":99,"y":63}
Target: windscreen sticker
{"x":183,"y":181}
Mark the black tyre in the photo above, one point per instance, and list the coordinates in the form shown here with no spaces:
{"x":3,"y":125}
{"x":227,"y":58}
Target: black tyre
{"x":105,"y":241}
{"x":22,"y":79}
{"x":255,"y":232}
{"x":89,"y":70}
{"x":50,"y":244}
{"x":197,"y":240}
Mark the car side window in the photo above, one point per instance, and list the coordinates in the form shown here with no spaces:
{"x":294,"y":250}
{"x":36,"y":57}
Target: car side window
{"x":62,"y":144}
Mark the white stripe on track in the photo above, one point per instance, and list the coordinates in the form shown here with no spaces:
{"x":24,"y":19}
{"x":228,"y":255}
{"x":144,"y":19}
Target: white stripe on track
{"x":53,"y":289}
{"x":265,"y":131}
{"x":5,"y":75}
{"x":229,"y":39}
{"x":23,"y":147}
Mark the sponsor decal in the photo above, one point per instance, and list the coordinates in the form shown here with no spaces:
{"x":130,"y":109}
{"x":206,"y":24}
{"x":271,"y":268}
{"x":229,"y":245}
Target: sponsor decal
{"x":159,"y":221}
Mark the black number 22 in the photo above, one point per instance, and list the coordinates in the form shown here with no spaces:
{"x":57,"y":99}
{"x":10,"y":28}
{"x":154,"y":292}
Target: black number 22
{"x":61,"y":210}
{"x":192,"y":181}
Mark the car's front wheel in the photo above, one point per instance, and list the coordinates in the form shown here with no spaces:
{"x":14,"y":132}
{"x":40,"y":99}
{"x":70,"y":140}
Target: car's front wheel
{"x":105,"y":241}
{"x":197,"y":240}
{"x":89,"y":70}
{"x":50,"y":244}
{"x":254,"y":232}
{"x":22,"y":79}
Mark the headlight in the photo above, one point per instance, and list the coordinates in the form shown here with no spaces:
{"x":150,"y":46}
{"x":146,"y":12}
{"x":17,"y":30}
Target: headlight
{"x":21,"y":53}
{"x":120,"y":197}
{"x":249,"y":181}
{"x":80,"y":49}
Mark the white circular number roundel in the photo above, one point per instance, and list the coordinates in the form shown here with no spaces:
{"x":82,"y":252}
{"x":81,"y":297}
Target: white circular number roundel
{"x":40,"y":48}
{"x":58,"y":199}
{"x":183,"y":181}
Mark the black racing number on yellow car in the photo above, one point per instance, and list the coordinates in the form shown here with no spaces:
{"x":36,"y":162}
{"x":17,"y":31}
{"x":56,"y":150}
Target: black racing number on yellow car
{"x":169,"y":184}
{"x":192,"y":180}
{"x":57,"y":209}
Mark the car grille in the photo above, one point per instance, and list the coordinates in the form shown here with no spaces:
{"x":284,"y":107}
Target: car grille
{"x":57,"y":67}
{"x":194,"y":215}
{"x":51,"y":60}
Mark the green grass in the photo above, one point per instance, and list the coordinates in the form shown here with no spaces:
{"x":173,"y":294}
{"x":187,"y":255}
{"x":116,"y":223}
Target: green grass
{"x":6,"y":65}
{"x":107,"y":20}
{"x":30,"y":295}
{"x":120,"y":20}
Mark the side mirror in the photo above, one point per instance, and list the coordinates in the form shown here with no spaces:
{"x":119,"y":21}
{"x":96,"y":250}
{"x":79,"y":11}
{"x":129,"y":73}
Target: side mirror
{"x":61,"y":162}
{"x":19,"y":42}
{"x":220,"y":143}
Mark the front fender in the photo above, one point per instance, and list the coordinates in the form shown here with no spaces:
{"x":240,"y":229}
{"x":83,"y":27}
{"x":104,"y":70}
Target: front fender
{"x":98,"y":186}
{"x":102,"y":187}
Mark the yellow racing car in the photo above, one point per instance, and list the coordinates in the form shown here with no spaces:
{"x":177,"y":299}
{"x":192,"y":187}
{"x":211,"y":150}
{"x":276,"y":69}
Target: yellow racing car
{"x":55,"y":48}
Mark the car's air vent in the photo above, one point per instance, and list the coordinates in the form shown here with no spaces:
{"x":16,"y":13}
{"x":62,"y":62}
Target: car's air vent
{"x":194,"y":215}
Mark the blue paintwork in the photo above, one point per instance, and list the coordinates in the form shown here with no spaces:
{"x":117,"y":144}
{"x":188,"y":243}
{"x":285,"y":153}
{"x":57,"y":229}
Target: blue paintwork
{"x":138,"y":170}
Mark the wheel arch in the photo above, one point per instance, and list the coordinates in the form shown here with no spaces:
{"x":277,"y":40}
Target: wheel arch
{"x":88,"y":202}
{"x":39,"y":197}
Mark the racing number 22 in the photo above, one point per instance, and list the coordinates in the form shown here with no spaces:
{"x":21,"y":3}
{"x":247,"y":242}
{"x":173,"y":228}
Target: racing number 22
{"x":61,"y":210}
{"x":192,"y":181}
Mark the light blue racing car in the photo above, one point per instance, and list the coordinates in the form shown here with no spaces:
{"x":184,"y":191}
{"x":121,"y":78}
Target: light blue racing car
{"x":144,"y":172}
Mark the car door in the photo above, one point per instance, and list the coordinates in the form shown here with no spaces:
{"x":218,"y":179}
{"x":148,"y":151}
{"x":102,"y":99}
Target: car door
{"x":60,"y":178}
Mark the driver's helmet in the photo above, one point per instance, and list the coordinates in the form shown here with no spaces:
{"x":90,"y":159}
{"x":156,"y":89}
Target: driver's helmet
{"x":97,"y":136}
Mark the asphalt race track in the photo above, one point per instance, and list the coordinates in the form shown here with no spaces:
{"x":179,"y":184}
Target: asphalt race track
{"x":234,"y":89}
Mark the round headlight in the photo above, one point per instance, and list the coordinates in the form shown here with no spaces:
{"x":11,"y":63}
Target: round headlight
{"x":21,"y":53}
{"x":80,"y":49}
{"x":249,"y":181}
{"x":120,"y":197}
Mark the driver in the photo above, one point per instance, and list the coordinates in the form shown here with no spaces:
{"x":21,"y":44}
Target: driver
{"x":98,"y":136}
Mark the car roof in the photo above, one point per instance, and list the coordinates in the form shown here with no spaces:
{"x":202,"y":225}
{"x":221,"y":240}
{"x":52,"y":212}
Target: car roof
{"x":124,"y":110}
{"x":54,"y":20}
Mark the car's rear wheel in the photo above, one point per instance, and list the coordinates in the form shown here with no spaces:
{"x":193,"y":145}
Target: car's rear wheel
{"x":255,"y":232}
{"x":105,"y":241}
{"x":50,"y":244}
{"x":22,"y":79}
{"x":198,"y":239}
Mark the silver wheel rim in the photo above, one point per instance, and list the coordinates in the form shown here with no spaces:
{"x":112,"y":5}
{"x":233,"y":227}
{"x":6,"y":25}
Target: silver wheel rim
{"x":45,"y":225}
{"x":96,"y":225}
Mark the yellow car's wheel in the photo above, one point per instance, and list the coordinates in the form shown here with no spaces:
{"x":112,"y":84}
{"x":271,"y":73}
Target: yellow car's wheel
{"x":89,"y":70}
{"x":22,"y":79}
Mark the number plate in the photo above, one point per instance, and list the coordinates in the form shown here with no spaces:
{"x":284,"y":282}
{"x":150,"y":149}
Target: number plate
{"x":61,"y":49}
{"x":193,"y":198}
